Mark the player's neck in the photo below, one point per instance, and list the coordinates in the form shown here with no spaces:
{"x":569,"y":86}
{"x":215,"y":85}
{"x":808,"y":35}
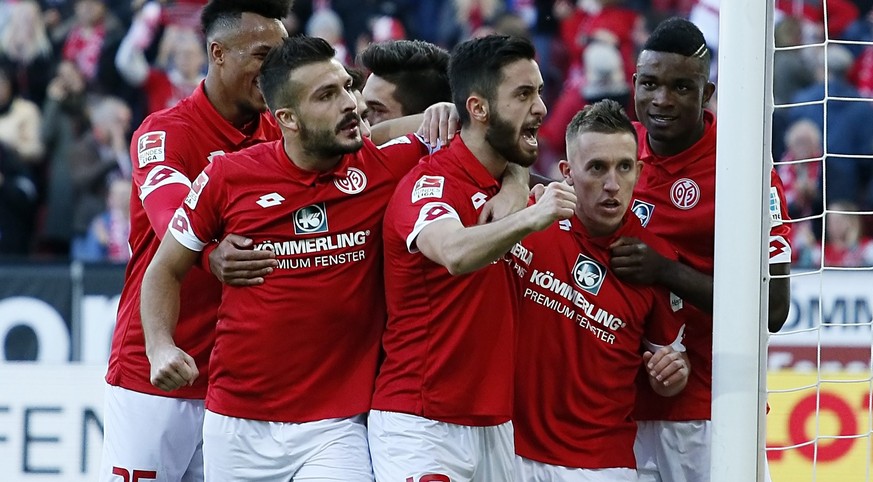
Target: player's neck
{"x":671,"y":148}
{"x":484,"y":153}
{"x":307,"y":160}
{"x":222,"y":101}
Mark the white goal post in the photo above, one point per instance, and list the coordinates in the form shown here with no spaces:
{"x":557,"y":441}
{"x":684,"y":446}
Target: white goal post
{"x":741,"y":232}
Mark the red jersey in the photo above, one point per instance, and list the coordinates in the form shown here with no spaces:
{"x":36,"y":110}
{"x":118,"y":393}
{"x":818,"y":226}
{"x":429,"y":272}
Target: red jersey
{"x":302,"y":346}
{"x":675,"y":200}
{"x":168,"y":151}
{"x":580,"y":335}
{"x":449,"y":342}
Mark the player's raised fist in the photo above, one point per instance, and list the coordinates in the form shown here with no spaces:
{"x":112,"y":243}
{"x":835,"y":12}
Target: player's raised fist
{"x":558,"y":201}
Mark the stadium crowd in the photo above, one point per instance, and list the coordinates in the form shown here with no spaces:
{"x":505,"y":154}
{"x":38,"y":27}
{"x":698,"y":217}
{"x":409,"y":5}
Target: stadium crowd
{"x":78,"y":76}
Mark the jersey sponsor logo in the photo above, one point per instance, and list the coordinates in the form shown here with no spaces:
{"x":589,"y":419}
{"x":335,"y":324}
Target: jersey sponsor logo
{"x":643,"y":210}
{"x":354,"y":182}
{"x":685,"y":193}
{"x":775,"y":208}
{"x":161,"y":176}
{"x":270,"y":200}
{"x":196,"y":189}
{"x":150,"y":147}
{"x":311,"y":219}
{"x":479,"y":199}
{"x":428,"y":186}
{"x":588,"y":274}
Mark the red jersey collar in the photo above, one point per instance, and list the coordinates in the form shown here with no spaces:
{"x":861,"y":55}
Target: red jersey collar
{"x":223,"y":127}
{"x":468,"y":163}
{"x":311,"y":178}
{"x":672,"y":164}
{"x":626,"y":229}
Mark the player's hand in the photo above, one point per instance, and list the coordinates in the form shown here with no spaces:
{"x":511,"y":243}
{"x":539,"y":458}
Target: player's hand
{"x":440,"y":123}
{"x":512,"y":197}
{"x":634,"y":261}
{"x":558,"y":201}
{"x":667,"y":368}
{"x":171,"y":368}
{"x":235,"y":263}
{"x":537,"y":192}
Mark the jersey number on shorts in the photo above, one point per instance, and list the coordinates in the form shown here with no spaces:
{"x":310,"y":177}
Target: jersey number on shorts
{"x":137,"y":475}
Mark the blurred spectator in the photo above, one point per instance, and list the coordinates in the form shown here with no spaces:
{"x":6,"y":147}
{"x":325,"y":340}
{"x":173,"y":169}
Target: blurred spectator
{"x":792,"y":69}
{"x":98,"y":157}
{"x":19,"y":123}
{"x":326,"y":24}
{"x":845,"y":243}
{"x":840,"y":14}
{"x":861,"y":73}
{"x":180,"y":66}
{"x":84,"y":35}
{"x":106,"y":239}
{"x":802,"y":182}
{"x":65,"y":120}
{"x":17,"y":203}
{"x":604,"y":78}
{"x":848,"y":127}
{"x":25,"y":50}
{"x":606,"y":21}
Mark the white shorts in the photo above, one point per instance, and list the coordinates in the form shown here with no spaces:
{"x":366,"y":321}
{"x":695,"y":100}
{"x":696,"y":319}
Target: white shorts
{"x":408,"y":448}
{"x":673,"y":451}
{"x":253,"y":450}
{"x":527,"y":470}
{"x":151,"y":438}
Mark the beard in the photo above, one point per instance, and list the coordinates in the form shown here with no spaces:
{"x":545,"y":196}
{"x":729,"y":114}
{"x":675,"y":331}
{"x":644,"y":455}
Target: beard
{"x":323,"y":142}
{"x":503,"y":137}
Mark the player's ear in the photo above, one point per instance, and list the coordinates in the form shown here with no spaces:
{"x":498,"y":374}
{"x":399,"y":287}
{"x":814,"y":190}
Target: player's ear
{"x":216,"y":53}
{"x":478,"y":108}
{"x":287,"y":118}
{"x":564,"y":167}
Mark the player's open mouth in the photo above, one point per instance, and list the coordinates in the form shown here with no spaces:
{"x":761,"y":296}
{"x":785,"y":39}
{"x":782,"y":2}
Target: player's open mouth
{"x":529,"y":135}
{"x":349,"y":126}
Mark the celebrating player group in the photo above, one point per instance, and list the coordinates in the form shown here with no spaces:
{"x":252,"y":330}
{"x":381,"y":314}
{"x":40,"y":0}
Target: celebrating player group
{"x":336,"y":282}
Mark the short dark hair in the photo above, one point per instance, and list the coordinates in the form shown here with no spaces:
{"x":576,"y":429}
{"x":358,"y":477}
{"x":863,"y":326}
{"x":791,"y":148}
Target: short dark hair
{"x":280,"y":63}
{"x":476,"y":66}
{"x":418,"y":69}
{"x":605,"y":117}
{"x":677,"y":35}
{"x":358,"y":77}
{"x":226,"y":14}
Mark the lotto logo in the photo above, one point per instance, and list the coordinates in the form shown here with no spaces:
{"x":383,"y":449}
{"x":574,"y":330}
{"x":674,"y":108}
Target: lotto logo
{"x":354,"y":182}
{"x":588,"y":274}
{"x":643,"y":210}
{"x":685,"y":193}
{"x":311,"y":219}
{"x":150,"y":147}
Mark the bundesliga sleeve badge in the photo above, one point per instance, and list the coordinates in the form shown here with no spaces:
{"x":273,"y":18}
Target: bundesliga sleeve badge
{"x":150,"y":147}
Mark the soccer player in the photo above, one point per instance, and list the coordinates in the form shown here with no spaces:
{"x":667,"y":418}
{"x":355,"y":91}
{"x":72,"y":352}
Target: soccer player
{"x":146,"y":430}
{"x":407,"y":76}
{"x":675,"y":200}
{"x":294,"y":362}
{"x":581,"y":329}
{"x":443,"y":396}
